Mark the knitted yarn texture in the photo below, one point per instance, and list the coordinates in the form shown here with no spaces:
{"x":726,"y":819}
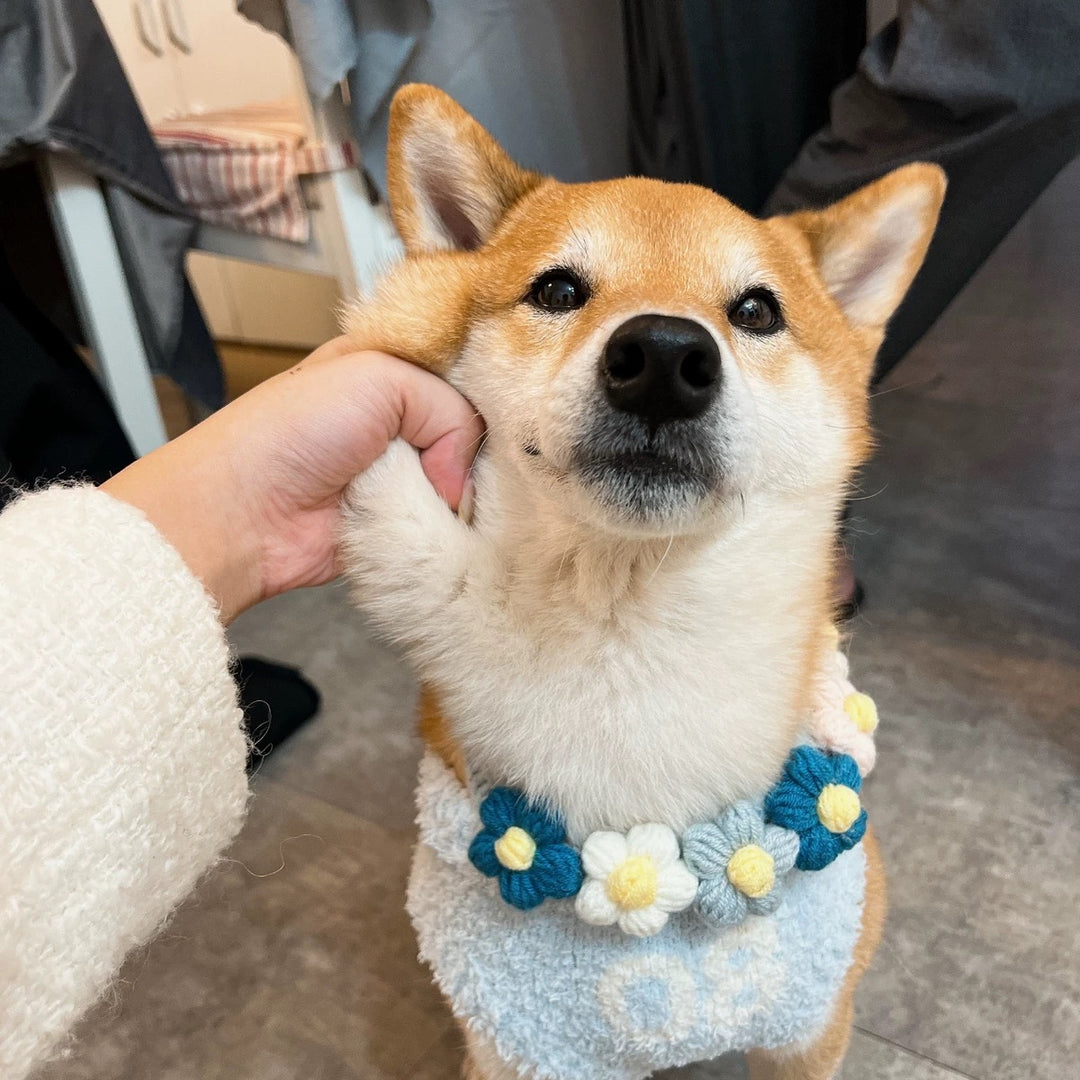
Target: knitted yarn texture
{"x":525,"y":849}
{"x":123,"y":753}
{"x":741,"y":862}
{"x":565,"y":1000}
{"x":818,"y":799}
{"x":841,"y":719}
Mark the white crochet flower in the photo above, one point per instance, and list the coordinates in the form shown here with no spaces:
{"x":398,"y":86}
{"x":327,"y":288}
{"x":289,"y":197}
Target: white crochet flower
{"x":636,"y":880}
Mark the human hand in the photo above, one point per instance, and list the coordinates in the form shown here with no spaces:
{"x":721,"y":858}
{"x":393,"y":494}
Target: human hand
{"x":250,"y":497}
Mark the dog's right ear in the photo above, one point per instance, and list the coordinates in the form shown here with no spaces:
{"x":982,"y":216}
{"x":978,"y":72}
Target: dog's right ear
{"x":450,"y":182}
{"x":869,"y":246}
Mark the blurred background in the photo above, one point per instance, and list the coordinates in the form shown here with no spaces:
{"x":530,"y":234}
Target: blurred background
{"x":188,"y":190}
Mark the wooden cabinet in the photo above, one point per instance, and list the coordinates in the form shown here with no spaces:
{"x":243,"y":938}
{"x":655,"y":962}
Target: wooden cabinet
{"x":184,"y":56}
{"x":137,"y":29}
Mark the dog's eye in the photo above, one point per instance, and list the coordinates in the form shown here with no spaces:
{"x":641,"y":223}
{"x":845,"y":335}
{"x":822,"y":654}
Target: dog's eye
{"x":758,"y":311}
{"x":558,"y":290}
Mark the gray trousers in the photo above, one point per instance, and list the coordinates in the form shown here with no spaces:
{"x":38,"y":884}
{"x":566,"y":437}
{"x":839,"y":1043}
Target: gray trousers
{"x":990,"y":90}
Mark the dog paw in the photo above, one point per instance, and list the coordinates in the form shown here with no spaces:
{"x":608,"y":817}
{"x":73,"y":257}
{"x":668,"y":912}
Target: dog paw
{"x":391,"y":513}
{"x":394,"y":483}
{"x":401,"y":545}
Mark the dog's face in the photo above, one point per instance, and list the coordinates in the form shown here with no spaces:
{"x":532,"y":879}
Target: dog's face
{"x":644,"y":353}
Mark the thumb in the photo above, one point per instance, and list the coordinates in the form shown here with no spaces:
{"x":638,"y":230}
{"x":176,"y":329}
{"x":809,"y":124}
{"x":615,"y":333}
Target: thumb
{"x":443,"y":426}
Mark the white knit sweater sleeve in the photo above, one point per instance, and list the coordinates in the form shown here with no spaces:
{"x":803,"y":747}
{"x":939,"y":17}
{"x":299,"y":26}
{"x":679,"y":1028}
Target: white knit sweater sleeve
{"x":121,"y":753}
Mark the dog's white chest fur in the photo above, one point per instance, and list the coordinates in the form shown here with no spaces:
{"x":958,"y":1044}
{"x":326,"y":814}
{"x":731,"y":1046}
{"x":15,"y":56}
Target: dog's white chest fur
{"x":622,"y":681}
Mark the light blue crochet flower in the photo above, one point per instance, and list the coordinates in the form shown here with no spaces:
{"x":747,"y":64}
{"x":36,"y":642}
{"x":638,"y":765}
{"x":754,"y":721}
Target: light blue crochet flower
{"x":818,"y":797}
{"x":741,"y":862}
{"x":526,"y":849}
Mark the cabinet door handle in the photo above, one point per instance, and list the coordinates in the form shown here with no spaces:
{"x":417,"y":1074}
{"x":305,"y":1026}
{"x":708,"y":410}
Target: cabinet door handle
{"x":176,"y":24}
{"x":149,"y":30}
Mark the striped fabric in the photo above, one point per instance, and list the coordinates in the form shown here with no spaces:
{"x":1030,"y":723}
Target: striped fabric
{"x":240,"y":168}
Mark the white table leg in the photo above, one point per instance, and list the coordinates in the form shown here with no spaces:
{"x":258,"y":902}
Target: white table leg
{"x":361,"y":239}
{"x":96,"y":273}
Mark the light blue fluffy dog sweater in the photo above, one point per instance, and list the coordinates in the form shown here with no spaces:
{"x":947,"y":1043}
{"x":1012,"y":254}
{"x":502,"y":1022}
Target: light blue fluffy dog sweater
{"x":562,"y":1000}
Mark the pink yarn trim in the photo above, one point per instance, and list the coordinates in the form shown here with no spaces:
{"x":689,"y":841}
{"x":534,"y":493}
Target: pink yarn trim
{"x":829,"y":726}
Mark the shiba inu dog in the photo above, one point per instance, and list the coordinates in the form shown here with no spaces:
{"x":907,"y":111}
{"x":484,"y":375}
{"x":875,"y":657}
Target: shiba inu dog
{"x":628,"y":629}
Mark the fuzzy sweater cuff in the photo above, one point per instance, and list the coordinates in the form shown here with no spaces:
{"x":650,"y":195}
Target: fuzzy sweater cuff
{"x":122,"y":748}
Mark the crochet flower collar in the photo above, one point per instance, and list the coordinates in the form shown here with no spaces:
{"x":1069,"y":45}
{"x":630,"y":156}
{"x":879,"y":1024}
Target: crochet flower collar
{"x":725,"y":869}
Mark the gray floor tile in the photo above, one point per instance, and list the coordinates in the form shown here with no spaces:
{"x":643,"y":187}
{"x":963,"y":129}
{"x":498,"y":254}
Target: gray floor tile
{"x":870,"y":1058}
{"x":1026,"y":455}
{"x":361,"y":751}
{"x":971,"y":570}
{"x":295,"y":960}
{"x":975,"y":802}
{"x":443,"y":1060}
{"x":729,"y":1067}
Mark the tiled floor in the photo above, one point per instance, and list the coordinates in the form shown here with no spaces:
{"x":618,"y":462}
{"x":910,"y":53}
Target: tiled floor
{"x":296,"y":962}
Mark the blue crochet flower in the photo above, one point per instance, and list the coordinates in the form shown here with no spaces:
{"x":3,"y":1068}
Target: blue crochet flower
{"x":741,"y":862}
{"x":526,"y":849}
{"x":818,"y":798}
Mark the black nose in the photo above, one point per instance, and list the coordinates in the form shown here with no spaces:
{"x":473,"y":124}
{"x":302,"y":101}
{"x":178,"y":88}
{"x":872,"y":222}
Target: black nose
{"x":661,"y":368}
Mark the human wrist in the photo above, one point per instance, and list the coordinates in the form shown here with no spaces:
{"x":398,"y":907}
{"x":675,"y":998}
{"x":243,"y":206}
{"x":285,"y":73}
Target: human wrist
{"x":182,"y":497}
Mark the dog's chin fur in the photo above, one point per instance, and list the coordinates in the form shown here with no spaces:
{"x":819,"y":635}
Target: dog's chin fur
{"x":621,"y":500}
{"x":663,"y":484}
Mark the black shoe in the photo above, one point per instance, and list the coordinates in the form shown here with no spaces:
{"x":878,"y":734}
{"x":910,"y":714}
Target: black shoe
{"x":277,"y":700}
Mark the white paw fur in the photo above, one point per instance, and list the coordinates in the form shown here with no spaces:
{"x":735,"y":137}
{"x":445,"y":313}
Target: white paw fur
{"x":404,"y":550}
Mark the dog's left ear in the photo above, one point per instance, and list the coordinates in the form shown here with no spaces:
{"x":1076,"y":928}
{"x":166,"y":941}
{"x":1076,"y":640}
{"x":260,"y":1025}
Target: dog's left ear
{"x":869,"y":246}
{"x":450,"y":182}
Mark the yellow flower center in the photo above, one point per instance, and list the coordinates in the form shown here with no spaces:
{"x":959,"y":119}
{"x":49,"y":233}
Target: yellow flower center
{"x":837,"y":807}
{"x":515,"y":849}
{"x":633,"y":883}
{"x":752,"y":871}
{"x":862,"y":710}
